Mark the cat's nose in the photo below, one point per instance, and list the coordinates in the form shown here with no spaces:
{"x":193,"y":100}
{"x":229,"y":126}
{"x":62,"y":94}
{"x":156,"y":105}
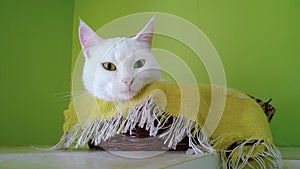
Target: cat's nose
{"x":127,"y":81}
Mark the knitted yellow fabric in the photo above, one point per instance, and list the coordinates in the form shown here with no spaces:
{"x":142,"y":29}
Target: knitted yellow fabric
{"x":242,"y":121}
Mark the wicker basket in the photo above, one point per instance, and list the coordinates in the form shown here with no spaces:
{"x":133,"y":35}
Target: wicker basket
{"x":139,"y":140}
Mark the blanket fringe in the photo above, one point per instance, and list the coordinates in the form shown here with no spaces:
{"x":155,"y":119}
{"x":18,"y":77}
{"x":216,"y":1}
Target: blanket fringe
{"x":252,"y":154}
{"x":147,"y":114}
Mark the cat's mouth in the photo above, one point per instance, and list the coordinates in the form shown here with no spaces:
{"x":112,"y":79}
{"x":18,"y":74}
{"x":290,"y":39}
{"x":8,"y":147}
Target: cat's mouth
{"x":129,"y":90}
{"x":127,"y":94}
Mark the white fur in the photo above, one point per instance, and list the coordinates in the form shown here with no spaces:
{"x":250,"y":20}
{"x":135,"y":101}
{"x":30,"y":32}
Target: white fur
{"x":123,"y":52}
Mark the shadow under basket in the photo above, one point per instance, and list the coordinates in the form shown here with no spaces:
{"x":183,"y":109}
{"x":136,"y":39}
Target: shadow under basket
{"x":138,"y":140}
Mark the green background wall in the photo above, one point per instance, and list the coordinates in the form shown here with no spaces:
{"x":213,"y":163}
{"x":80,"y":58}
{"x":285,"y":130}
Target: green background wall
{"x":258,"y":43}
{"x":35,"y":49}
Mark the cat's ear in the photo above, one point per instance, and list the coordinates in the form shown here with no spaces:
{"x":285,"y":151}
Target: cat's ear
{"x":88,"y":38}
{"x":146,"y":34}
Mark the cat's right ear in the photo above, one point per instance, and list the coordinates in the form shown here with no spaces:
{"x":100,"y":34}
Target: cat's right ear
{"x":88,"y":38}
{"x":146,"y":34}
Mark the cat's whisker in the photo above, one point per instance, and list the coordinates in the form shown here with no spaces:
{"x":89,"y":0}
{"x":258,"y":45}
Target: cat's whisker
{"x":66,"y":96}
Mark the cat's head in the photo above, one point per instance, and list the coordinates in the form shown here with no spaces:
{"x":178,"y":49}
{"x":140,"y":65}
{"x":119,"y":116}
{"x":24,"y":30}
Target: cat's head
{"x":116,"y":69}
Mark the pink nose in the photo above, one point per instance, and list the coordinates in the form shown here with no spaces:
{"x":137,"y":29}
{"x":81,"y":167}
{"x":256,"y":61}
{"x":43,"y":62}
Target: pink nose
{"x":127,"y":81}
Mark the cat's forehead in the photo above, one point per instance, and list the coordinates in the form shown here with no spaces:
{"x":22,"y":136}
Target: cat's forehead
{"x":120,"y":49}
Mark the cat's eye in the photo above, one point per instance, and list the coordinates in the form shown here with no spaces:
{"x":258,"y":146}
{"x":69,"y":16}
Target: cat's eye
{"x":109,"y":66}
{"x":140,"y":63}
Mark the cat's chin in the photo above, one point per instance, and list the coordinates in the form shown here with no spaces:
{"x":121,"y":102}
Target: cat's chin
{"x":118,"y":96}
{"x":126,"y":95}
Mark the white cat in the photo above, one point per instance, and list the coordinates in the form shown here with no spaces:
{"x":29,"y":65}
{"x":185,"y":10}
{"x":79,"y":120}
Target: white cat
{"x":116,"y":69}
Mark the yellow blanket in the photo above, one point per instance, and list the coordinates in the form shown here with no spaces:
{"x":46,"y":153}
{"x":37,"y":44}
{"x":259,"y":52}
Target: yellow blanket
{"x":213,"y":118}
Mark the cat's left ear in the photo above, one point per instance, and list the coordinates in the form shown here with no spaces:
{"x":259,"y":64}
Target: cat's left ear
{"x":146,"y":34}
{"x":88,"y":38}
